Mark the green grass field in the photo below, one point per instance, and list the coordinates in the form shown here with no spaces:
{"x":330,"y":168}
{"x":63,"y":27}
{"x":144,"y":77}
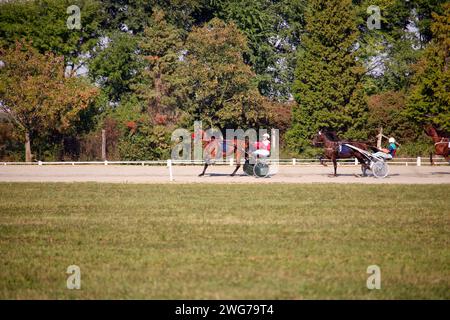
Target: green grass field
{"x":224,"y":241}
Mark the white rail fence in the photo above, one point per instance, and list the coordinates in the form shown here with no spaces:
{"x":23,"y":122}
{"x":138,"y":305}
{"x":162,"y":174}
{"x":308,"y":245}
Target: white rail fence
{"x":419,"y":161}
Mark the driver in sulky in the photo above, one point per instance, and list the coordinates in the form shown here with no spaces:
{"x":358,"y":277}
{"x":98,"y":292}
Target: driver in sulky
{"x":263,"y":147}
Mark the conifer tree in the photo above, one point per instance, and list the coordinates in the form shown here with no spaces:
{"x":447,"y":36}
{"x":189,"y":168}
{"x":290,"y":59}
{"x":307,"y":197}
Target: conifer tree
{"x":429,"y":100}
{"x":328,"y":87}
{"x":161,"y":49}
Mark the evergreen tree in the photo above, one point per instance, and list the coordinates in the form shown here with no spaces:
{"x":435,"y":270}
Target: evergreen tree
{"x":161,"y":50}
{"x":135,"y":15}
{"x":328,"y":86}
{"x":429,"y":100}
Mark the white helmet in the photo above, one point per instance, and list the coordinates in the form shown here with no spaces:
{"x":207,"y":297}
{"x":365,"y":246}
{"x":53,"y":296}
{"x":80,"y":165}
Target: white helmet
{"x":391,"y":140}
{"x":266,"y":135}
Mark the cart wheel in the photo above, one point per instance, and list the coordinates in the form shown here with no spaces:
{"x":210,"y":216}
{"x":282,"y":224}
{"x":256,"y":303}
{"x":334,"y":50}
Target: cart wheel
{"x":261,"y":170}
{"x":248,"y":169}
{"x":380,"y":169}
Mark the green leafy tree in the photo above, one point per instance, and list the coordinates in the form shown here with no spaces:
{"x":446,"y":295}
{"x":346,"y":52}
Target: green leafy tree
{"x":126,"y":15}
{"x":114,"y":65}
{"x":429,"y":100}
{"x":391,"y":51}
{"x":135,"y":135}
{"x":386,"y":110}
{"x":328,"y":87}
{"x":273,"y":32}
{"x":145,"y":142}
{"x":219,"y":88}
{"x":134,"y":15}
{"x":37,"y":95}
{"x":425,"y":10}
{"x":254,"y":20}
{"x":288,"y":29}
{"x":44,"y":24}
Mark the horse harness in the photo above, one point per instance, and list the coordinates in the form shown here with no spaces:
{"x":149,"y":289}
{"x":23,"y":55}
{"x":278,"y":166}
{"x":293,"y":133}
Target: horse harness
{"x":443,"y":140}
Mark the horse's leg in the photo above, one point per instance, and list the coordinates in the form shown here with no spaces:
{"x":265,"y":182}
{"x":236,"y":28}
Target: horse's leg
{"x":322,"y":161}
{"x":237,"y":158}
{"x":431,"y":159}
{"x":235,"y":170}
{"x":335,"y":166}
{"x":211,"y":151}
{"x":446,"y":153}
{"x":361,"y":159}
{"x":364,"y":166}
{"x":364,"y":169}
{"x":204,"y":170}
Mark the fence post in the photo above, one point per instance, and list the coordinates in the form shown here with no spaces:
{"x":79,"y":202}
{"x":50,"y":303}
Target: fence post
{"x":419,"y":161}
{"x":106,"y":162}
{"x":40,"y":163}
{"x":169,"y":165}
{"x":294,"y":161}
{"x":380,"y":138}
{"x":103,"y":144}
{"x":356,"y":161}
{"x":231,"y":162}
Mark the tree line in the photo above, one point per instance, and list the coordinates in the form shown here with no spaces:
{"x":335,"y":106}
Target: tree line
{"x":140,"y":69}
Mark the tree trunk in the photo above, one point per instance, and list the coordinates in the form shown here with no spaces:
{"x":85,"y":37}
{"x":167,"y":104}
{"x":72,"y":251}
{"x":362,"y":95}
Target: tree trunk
{"x":27,"y":147}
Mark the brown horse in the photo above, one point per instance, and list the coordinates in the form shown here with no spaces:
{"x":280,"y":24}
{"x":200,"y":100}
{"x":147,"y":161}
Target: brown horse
{"x":335,"y":149}
{"x":212,"y":148}
{"x":441,"y":143}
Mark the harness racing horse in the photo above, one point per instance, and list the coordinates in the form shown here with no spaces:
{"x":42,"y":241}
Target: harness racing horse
{"x":335,"y":149}
{"x":441,"y":144}
{"x":228,"y":147}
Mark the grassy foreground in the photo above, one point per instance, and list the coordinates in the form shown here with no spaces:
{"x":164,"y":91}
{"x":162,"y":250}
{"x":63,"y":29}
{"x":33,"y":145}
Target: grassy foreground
{"x":224,"y":241}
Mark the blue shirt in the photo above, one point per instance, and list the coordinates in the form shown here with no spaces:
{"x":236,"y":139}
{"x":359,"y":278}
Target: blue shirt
{"x":392,"y":149}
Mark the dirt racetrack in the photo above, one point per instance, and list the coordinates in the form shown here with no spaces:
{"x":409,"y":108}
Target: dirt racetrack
{"x":216,"y":174}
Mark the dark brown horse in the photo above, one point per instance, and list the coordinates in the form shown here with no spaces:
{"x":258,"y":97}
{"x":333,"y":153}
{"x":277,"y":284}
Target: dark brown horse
{"x":441,"y":143}
{"x":335,"y":149}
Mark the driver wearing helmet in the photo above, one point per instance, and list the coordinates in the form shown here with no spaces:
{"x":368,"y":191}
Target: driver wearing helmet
{"x":388,"y":153}
{"x":263,"y":147}
{"x":392,"y":147}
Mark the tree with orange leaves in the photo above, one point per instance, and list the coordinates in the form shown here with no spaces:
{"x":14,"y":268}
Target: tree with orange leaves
{"x":37,"y":95}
